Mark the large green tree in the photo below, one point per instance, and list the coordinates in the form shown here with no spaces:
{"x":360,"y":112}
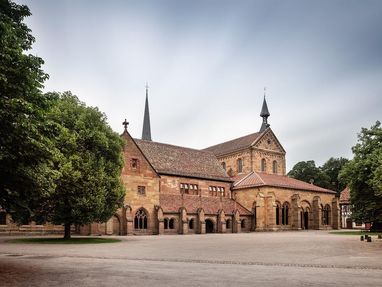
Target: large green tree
{"x":90,"y":161}
{"x":308,"y":171}
{"x":363,"y":175}
{"x":26,"y":149}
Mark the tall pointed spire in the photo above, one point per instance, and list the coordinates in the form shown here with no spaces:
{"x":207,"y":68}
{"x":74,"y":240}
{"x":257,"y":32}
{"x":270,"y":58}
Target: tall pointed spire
{"x":264,"y":114}
{"x":146,"y":131}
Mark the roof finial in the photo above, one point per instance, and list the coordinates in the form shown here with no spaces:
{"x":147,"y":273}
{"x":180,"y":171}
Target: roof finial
{"x":146,"y":131}
{"x":264,"y":113}
{"x":125,"y":123}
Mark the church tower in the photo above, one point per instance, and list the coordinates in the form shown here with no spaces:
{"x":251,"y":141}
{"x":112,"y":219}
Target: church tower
{"x":264,"y":114}
{"x":146,"y":131}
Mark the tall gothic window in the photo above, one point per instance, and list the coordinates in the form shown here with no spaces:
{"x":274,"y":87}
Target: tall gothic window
{"x":239,"y":165}
{"x":171,"y":223}
{"x":166,"y":223}
{"x":140,"y":219}
{"x":223,"y":165}
{"x":274,"y":166}
{"x":191,"y":224}
{"x":263,"y":165}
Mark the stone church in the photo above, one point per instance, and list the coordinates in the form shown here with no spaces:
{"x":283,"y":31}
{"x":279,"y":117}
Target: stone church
{"x":236,"y":186}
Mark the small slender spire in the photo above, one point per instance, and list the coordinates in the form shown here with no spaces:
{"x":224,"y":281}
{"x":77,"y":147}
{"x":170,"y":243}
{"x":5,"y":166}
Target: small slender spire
{"x":264,"y":114}
{"x":146,"y":131}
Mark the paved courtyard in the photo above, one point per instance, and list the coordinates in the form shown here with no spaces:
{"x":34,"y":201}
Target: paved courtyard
{"x":308,"y":258}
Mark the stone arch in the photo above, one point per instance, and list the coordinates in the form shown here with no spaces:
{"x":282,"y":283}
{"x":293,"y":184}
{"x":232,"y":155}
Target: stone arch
{"x":210,"y":226}
{"x":191,"y":224}
{"x":117,"y":224}
{"x":243,"y":223}
{"x":141,"y":219}
{"x":166,"y":221}
{"x":285,"y":213}
{"x":326,"y":215}
{"x":172,"y":223}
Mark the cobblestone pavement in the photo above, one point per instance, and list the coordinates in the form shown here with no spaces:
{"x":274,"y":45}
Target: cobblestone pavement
{"x":308,"y":258}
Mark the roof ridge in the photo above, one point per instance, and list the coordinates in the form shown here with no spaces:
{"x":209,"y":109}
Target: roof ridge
{"x":175,"y":146}
{"x":232,"y":140}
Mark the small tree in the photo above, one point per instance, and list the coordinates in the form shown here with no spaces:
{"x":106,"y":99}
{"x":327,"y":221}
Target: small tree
{"x":89,"y":188}
{"x":363,"y":175}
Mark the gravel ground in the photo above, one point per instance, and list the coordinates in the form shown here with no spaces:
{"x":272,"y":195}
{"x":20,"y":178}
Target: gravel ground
{"x":308,"y":258}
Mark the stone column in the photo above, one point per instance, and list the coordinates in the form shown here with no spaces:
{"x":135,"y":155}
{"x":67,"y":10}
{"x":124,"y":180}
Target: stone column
{"x":260,"y":212}
{"x":129,"y":220}
{"x":201,"y":221}
{"x":295,"y":212}
{"x":160,"y":220}
{"x":236,"y":222}
{"x":183,"y":222}
{"x":270,"y":211}
{"x":335,"y":218}
{"x":317,"y":214}
{"x":221,"y":222}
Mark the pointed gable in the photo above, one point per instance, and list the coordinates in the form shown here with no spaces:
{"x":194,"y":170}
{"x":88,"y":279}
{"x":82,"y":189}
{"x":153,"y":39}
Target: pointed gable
{"x":269,"y":142}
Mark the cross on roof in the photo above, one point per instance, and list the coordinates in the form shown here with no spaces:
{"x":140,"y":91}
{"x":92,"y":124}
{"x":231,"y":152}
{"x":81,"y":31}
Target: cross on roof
{"x":125,"y":123}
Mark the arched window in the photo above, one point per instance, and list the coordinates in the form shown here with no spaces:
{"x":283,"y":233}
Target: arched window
{"x":3,"y":218}
{"x":191,"y":224}
{"x":274,"y":166}
{"x":243,"y":223}
{"x":166,"y":223}
{"x":228,"y":224}
{"x":239,"y":165}
{"x":278,"y":214}
{"x":171,"y":224}
{"x":140,"y":219}
{"x":263,"y":165}
{"x":285,"y":214}
{"x":223,"y":165}
{"x":326,"y":215}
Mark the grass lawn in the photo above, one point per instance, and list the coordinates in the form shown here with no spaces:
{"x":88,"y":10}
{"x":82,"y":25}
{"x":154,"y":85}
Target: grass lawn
{"x":74,"y":240}
{"x":358,"y":232}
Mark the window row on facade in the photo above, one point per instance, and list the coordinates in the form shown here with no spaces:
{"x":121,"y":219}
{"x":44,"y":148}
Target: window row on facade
{"x":216,"y":191}
{"x":189,"y":188}
{"x":263,"y":167}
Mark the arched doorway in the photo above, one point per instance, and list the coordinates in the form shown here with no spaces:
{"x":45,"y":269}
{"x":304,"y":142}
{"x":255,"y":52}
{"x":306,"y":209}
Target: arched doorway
{"x":116,"y":226}
{"x":209,"y":226}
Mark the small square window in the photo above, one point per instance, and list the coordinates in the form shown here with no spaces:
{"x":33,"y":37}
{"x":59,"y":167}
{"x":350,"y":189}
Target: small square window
{"x":141,"y":190}
{"x":134,"y":163}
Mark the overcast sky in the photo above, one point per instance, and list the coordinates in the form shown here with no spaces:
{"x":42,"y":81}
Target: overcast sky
{"x":207,"y":63}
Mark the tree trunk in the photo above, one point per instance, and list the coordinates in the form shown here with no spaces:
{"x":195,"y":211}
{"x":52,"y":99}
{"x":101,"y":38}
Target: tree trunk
{"x":67,"y":231}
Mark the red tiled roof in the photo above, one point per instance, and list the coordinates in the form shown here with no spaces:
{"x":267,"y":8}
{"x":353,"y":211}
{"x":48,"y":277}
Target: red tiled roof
{"x":210,"y":205}
{"x":256,"y":179}
{"x":181,"y":161}
{"x":345,"y":195}
{"x":233,"y":145}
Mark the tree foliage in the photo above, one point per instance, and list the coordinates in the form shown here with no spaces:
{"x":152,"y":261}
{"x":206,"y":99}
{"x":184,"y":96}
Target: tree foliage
{"x":363,"y":175}
{"x":308,"y":171}
{"x":332,"y":168}
{"x":26,"y":150}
